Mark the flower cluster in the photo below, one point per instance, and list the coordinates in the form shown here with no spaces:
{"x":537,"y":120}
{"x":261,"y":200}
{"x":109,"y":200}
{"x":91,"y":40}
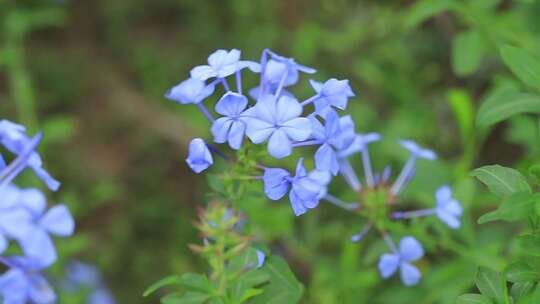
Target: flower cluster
{"x":25,"y":220}
{"x":275,"y":117}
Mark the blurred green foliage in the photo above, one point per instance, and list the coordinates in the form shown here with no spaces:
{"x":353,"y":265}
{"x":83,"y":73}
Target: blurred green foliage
{"x":91,"y":74}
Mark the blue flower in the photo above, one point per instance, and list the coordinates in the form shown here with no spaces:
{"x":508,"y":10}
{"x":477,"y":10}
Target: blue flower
{"x":231,"y":127}
{"x":14,"y":138}
{"x":417,"y":151}
{"x":334,"y":139}
{"x":199,"y":158}
{"x":221,"y":64}
{"x":306,"y":190}
{"x":409,"y":250}
{"x":261,"y":257}
{"x":279,"y":122}
{"x":101,"y":296}
{"x":448,"y":209}
{"x":332,"y":93}
{"x":190,"y":91}
{"x":23,"y":283}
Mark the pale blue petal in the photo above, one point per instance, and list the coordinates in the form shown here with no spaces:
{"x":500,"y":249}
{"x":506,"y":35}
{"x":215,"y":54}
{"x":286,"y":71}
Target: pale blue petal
{"x":410,"y":249}
{"x":276,"y":184}
{"x":410,"y":275}
{"x":388,"y":265}
{"x":37,"y":244}
{"x":287,"y":108}
{"x":231,"y":104}
{"x":296,"y":204}
{"x":199,"y":158}
{"x":236,"y":134}
{"x":326,"y":159}
{"x":40,"y":291}
{"x":279,"y":145}
{"x":202,"y":72}
{"x":258,"y":130}
{"x":58,"y":221}
{"x":220,"y":129}
{"x":297,"y":129}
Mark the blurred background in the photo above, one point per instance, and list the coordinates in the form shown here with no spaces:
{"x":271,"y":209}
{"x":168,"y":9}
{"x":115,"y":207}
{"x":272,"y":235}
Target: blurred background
{"x":92,"y":75}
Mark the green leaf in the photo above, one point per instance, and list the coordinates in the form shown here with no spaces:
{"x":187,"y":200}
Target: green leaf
{"x":521,"y":289}
{"x":530,"y":244}
{"x":190,"y":297}
{"x":250,"y":293}
{"x":491,"y":284}
{"x":283,"y":286}
{"x":248,"y":280}
{"x":246,"y":260}
{"x":521,"y":272}
{"x":524,"y":64}
{"x":425,"y":9}
{"x":499,"y":107}
{"x":500,"y":180}
{"x":514,"y":207}
{"x":534,"y":171}
{"x":472,"y":298}
{"x":190,"y":281}
{"x":467,"y":50}
{"x":463,"y":109}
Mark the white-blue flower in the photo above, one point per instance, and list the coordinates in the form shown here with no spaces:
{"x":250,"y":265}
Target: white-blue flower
{"x":221,"y":64}
{"x":332,"y":93}
{"x":231,"y":127}
{"x":279,"y":122}
{"x":190,"y":91}
{"x":409,"y":251}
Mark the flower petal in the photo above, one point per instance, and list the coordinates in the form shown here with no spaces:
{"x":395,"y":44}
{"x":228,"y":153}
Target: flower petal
{"x":410,"y":249}
{"x":388,"y":264}
{"x":410,"y":275}
{"x":58,"y":221}
{"x":279,"y":145}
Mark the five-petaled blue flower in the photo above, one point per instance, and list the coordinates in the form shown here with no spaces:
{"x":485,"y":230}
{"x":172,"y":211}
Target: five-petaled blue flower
{"x":221,"y":64}
{"x":279,"y":122}
{"x":199,"y":158}
{"x":332,"y":93}
{"x":190,"y":90}
{"x":409,"y":250}
{"x":231,"y":127}
{"x":448,"y":209}
{"x":306,"y":189}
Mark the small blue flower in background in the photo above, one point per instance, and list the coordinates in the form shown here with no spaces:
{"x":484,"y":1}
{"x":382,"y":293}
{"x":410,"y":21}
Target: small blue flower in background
{"x":13,"y":137}
{"x":81,"y":275}
{"x":448,"y":209}
{"x":277,"y":182}
{"x":279,"y":122}
{"x":221,"y":64}
{"x":23,"y":282}
{"x":191,"y":91}
{"x":408,"y":170}
{"x":332,"y":93}
{"x":261,"y":257}
{"x":231,"y":127}
{"x":199,"y":158}
{"x":409,"y":251}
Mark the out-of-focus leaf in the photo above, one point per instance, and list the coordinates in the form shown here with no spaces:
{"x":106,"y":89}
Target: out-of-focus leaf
{"x":502,"y":106}
{"x":425,"y":9}
{"x":467,"y":50}
{"x":472,"y":298}
{"x":530,"y":244}
{"x":500,"y":180}
{"x":492,"y":285}
{"x":521,"y":289}
{"x":516,"y":206}
{"x":521,"y":272}
{"x":524,"y":64}
{"x":192,"y":281}
{"x":462,"y":107}
{"x":190,"y":297}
